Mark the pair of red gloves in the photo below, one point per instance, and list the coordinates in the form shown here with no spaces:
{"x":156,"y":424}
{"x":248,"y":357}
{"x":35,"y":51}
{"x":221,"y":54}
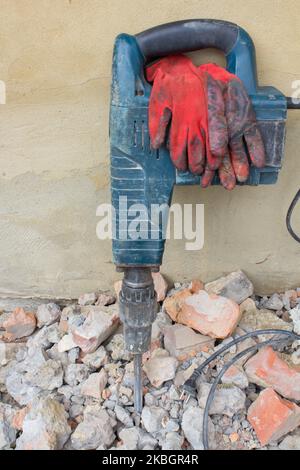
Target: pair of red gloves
{"x":209,"y":117}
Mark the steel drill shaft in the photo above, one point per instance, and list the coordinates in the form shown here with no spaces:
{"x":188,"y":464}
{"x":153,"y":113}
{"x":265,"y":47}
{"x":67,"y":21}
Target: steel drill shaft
{"x":138,"y":307}
{"x":138,"y":390}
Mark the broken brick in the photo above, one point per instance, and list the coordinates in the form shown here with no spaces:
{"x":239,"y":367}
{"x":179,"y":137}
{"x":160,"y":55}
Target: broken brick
{"x":272,"y":416}
{"x":19,"y":324}
{"x":118,"y":287}
{"x":18,"y":419}
{"x":47,"y":314}
{"x":87,"y":299}
{"x":254,"y":319}
{"x":155,"y":344}
{"x":95,"y":384}
{"x":196,"y":286}
{"x":160,"y":286}
{"x":45,"y":426}
{"x":183,"y":342}
{"x":268,"y":369}
{"x":66,"y":343}
{"x":105,"y":298}
{"x":160,"y":367}
{"x":235,"y":286}
{"x":209,"y":314}
{"x":98,"y":326}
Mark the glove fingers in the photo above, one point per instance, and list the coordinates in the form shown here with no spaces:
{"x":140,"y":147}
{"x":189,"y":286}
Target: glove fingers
{"x":212,"y":161}
{"x":239,"y":160}
{"x":196,"y":152}
{"x":218,"y":72}
{"x":226,"y":174}
{"x":255,"y":146}
{"x":178,"y":146}
{"x":207,"y":177}
{"x":242,"y":121}
{"x":159,"y":112}
{"x":158,"y":123}
{"x":152,"y":70}
{"x":217,"y":125}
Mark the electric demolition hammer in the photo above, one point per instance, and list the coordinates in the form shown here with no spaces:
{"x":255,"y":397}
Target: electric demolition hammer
{"x":142,"y":177}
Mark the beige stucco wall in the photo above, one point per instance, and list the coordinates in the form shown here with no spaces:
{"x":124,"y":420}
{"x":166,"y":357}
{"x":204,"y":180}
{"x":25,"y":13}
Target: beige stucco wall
{"x":54,"y":158}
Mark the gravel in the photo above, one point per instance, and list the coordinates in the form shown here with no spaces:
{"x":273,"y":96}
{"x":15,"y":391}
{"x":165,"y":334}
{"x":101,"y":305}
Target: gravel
{"x":77,"y":381}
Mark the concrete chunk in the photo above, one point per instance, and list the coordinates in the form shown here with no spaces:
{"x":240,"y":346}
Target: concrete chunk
{"x":235,"y":286}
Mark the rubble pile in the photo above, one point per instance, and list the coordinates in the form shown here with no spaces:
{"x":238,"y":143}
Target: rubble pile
{"x":67,"y":383}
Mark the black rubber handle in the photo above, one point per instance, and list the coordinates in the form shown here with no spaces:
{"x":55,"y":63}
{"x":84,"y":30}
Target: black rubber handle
{"x":187,"y":35}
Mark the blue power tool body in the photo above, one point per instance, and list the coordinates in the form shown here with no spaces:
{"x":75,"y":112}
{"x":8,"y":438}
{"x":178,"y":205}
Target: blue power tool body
{"x":142,"y":177}
{"x":146,"y":176}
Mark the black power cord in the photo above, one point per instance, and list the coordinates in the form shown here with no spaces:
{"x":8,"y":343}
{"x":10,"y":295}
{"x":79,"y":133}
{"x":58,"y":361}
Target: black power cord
{"x":292,"y":103}
{"x":289,"y":215}
{"x":211,"y":394}
{"x":190,"y":385}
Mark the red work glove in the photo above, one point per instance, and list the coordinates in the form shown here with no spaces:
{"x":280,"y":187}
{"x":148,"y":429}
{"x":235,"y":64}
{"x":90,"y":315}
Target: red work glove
{"x":198,"y":135}
{"x":243,"y":130}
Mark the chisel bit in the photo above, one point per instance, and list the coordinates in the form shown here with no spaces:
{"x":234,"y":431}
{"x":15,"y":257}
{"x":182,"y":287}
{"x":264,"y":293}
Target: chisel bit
{"x":138,"y":386}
